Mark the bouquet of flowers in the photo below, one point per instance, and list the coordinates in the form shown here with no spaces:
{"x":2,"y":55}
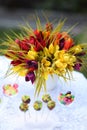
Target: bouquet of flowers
{"x":35,"y":54}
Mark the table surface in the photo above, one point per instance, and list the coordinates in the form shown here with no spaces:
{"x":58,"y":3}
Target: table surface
{"x":73,"y":116}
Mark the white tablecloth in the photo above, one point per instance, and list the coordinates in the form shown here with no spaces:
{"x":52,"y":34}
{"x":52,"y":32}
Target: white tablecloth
{"x":71,"y":117}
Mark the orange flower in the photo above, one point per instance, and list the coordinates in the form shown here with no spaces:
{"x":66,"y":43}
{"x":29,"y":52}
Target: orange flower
{"x":57,"y":38}
{"x":68,"y":43}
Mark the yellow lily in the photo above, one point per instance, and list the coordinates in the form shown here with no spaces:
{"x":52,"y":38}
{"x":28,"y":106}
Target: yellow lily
{"x":45,"y":62}
{"x":51,"y":48}
{"x":20,"y":70}
{"x":32,"y":55}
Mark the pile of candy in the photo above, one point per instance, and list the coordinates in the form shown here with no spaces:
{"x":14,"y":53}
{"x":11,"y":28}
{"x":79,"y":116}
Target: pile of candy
{"x":10,"y":90}
{"x":66,"y":98}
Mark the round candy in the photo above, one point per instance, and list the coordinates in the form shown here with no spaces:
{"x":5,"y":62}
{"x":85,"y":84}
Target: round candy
{"x":51,"y":104}
{"x":23,"y":107}
{"x":46,"y":98}
{"x":37,"y":105}
{"x":10,"y":90}
{"x":26,"y":99}
{"x":15,"y":86}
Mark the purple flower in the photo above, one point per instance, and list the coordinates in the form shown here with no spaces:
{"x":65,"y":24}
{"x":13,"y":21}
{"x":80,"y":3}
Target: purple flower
{"x":30,"y":76}
{"x":81,"y":54}
{"x":77,"y":66}
{"x":61,"y":43}
{"x":32,"y":64}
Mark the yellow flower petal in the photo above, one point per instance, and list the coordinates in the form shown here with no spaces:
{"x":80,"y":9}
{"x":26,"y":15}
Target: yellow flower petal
{"x":77,"y":49}
{"x":60,"y":65}
{"x":50,"y":70}
{"x":45,"y":62}
{"x":20,"y":70}
{"x":32,"y":55}
{"x":51,"y":48}
{"x":66,"y":57}
{"x":72,"y":59}
{"x":23,"y":72}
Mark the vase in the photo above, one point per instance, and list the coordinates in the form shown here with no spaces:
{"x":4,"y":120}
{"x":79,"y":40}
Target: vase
{"x":51,"y":82}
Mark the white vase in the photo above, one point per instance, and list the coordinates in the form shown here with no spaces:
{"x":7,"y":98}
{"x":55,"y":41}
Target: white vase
{"x":51,"y":82}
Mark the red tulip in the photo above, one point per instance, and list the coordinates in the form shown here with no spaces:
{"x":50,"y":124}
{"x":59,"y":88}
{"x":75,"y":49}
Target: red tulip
{"x":16,"y":62}
{"x":23,"y":44}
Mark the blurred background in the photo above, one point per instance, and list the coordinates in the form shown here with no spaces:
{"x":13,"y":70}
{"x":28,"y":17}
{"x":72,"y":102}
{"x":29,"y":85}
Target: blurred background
{"x":66,"y":5}
{"x":16,"y":12}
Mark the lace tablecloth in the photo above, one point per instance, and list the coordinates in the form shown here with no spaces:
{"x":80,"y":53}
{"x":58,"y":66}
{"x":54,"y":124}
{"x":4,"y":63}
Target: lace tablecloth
{"x":71,"y":117}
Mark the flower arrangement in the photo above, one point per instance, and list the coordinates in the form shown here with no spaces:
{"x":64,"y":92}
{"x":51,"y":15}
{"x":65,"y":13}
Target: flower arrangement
{"x":35,"y":54}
